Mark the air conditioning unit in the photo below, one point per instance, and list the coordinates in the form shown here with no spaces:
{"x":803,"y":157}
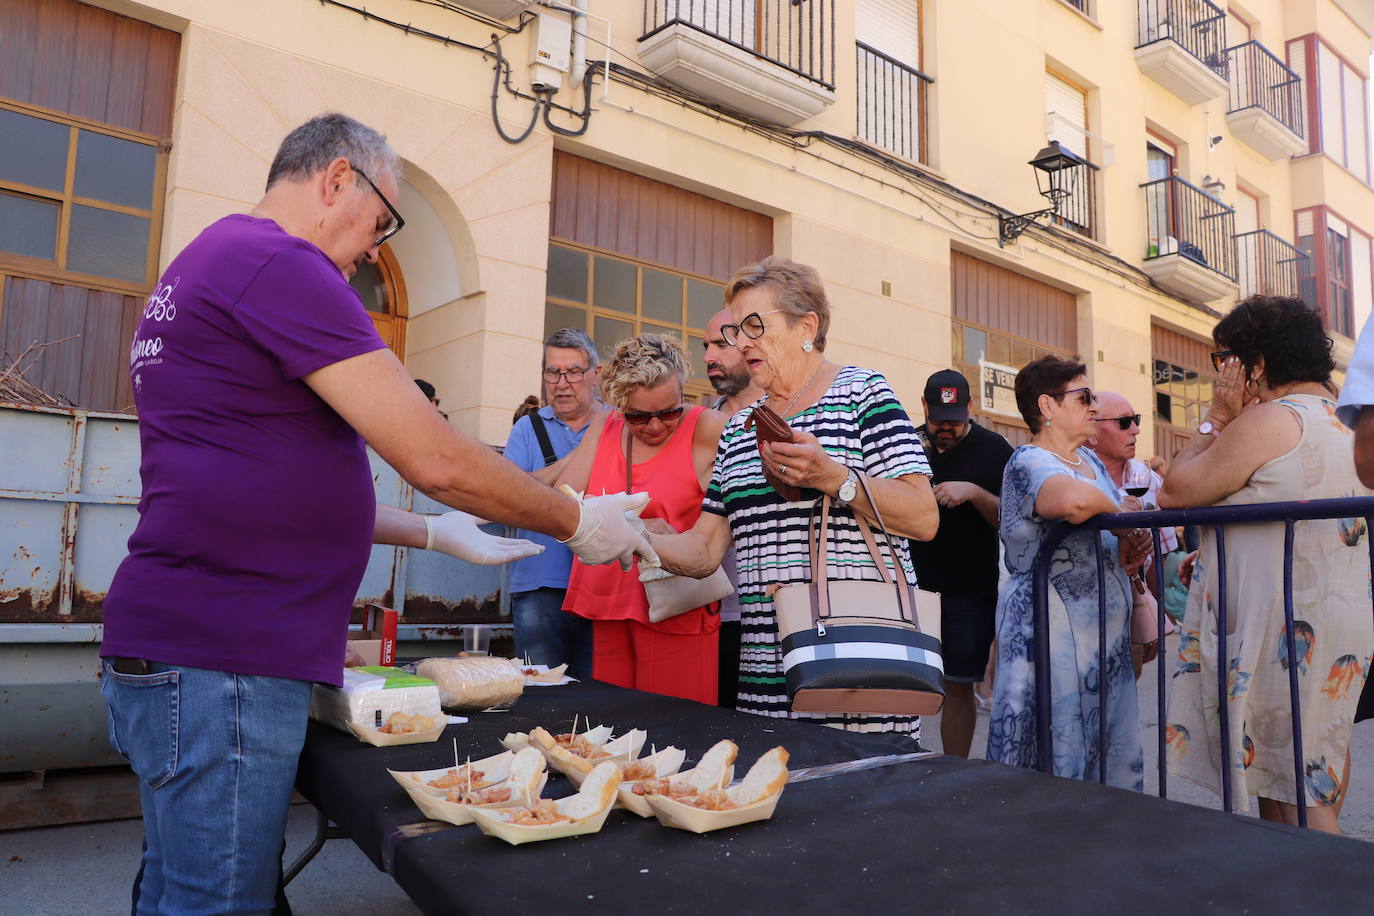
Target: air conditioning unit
{"x":497,"y":9}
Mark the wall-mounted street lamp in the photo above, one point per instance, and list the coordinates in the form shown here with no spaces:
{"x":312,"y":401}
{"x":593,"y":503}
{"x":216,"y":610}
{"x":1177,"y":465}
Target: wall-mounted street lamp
{"x":1057,"y":176}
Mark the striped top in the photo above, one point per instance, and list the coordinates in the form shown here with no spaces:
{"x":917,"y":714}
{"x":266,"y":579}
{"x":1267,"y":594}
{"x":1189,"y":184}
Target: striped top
{"x":860,"y":423}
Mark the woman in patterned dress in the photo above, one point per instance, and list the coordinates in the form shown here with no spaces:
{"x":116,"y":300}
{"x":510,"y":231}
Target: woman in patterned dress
{"x":846,"y":422}
{"x":1273,"y":437}
{"x":1052,"y":480}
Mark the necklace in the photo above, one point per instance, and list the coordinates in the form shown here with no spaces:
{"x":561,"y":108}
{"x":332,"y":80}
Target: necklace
{"x":1071,"y":462}
{"x":805,"y":385}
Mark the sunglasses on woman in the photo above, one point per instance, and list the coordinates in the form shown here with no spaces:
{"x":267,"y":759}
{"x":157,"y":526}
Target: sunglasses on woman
{"x":641,"y":417}
{"x":1085,"y":396}
{"x":1219,"y":358}
{"x":1126,"y":422}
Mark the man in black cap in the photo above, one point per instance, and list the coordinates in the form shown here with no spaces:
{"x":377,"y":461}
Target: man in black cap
{"x":960,"y":563}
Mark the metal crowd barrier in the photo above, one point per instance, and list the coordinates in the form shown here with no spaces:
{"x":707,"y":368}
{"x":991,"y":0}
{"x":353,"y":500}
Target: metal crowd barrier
{"x":1219,"y":517}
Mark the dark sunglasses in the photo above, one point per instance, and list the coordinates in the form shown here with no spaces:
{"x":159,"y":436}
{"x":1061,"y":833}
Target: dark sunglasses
{"x":1126,"y":422}
{"x":1219,"y":358}
{"x":641,"y":417}
{"x":1085,"y":396}
{"x":397,"y":221}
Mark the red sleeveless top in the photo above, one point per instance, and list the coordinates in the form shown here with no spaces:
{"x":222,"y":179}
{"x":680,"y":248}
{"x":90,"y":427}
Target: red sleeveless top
{"x":670,"y":477}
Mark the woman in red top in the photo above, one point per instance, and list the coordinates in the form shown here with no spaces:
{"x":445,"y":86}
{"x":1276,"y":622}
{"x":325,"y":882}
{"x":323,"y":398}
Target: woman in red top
{"x":671,"y":448}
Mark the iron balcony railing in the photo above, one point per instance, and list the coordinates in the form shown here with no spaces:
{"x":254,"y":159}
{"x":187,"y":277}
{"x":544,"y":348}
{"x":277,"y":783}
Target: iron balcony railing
{"x":1183,"y":219}
{"x":1197,"y":26}
{"x":891,"y":109}
{"x":797,"y":35}
{"x":1260,"y":80}
{"x":1359,"y":511}
{"x":1267,"y":265}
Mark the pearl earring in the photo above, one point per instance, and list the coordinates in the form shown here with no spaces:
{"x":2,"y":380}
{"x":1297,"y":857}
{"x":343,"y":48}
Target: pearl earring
{"x":807,"y":346}
{"x":1048,"y":422}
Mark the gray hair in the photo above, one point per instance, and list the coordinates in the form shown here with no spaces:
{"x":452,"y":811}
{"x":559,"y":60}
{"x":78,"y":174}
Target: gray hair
{"x":572,"y":339}
{"x":322,"y":139}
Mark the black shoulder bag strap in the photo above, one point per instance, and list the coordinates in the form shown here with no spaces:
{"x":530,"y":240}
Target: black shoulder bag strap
{"x":542,"y":434}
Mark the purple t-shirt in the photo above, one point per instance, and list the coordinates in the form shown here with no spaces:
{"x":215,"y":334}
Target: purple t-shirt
{"x":257,"y":513}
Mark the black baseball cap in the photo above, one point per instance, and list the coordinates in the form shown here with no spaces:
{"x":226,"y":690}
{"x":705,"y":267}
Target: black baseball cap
{"x":947,"y":396}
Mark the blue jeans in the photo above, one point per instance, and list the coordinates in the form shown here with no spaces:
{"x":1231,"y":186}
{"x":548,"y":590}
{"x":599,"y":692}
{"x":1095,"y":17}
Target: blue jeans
{"x":216,"y":758}
{"x":550,"y":635}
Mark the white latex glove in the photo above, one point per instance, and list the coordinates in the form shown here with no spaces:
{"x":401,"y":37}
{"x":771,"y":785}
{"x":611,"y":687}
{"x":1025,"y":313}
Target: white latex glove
{"x":604,"y":534}
{"x":456,"y":534}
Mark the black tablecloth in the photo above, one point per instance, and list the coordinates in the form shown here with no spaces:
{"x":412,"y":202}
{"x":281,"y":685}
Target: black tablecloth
{"x":933,"y":835}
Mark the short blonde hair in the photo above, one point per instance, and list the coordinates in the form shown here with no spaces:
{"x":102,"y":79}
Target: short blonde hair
{"x":645,"y":361}
{"x":796,"y":287}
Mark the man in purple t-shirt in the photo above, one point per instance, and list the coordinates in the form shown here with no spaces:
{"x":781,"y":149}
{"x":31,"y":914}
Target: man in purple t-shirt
{"x":258,"y":377}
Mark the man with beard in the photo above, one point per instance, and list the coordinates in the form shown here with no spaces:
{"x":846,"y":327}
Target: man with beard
{"x":726,"y":372}
{"x":966,"y":463}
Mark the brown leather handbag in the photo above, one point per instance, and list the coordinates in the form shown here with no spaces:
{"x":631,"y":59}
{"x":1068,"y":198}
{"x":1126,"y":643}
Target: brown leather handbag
{"x":769,"y":427}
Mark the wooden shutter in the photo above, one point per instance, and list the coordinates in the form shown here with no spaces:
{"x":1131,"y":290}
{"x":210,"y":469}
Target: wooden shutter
{"x":891,"y":27}
{"x":1066,"y":114}
{"x":1297,"y":60}
{"x":1361,"y":280}
{"x":995,"y":298}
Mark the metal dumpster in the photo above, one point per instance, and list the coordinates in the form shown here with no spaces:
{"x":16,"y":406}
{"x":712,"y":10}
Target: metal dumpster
{"x":69,"y":490}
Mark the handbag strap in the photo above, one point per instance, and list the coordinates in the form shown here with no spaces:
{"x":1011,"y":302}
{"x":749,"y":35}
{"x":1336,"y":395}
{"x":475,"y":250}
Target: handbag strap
{"x":542,"y":434}
{"x":629,"y":460}
{"x":820,"y":574}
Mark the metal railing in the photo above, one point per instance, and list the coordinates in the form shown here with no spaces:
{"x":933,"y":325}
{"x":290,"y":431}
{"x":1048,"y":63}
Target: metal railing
{"x":797,"y":35}
{"x":1267,"y":265}
{"x":891,"y":103}
{"x":1197,"y":26}
{"x":1285,"y":513}
{"x":1181,"y":218}
{"x":1260,"y":80}
{"x":1078,"y":209}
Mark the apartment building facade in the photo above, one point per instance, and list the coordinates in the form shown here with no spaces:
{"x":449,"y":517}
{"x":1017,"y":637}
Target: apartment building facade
{"x":608,"y":163}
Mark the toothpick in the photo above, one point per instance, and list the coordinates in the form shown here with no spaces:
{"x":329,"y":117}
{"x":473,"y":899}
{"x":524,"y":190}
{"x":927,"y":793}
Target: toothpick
{"x":469,"y":774}
{"x":574,"y":728}
{"x":455,"y":753}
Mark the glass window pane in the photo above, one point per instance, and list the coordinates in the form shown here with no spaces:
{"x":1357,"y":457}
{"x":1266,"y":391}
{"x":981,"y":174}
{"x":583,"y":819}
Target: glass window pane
{"x":661,"y":295}
{"x":975,"y":345}
{"x":956,"y":353}
{"x":28,"y":226}
{"x":610,"y":332}
{"x":613,"y":286}
{"x":698,"y":354}
{"x":567,"y":274}
{"x":33,"y":151}
{"x":108,"y":244}
{"x":115,"y":170}
{"x":1162,"y":406}
{"x":372,"y":288}
{"x":999,"y":350}
{"x":703,"y":301}
{"x":1021,"y":353}
{"x":557,"y":317}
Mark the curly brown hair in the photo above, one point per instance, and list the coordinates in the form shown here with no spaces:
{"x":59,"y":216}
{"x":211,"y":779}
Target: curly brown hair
{"x":1283,"y":330}
{"x":643,"y":361}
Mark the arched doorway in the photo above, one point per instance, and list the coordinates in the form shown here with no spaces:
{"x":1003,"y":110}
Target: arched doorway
{"x":383,"y":290}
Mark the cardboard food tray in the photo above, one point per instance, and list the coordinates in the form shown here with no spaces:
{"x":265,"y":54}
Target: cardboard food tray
{"x":673,"y":813}
{"x":548,"y":677}
{"x":441,"y":809}
{"x":384,"y":739}
{"x":494,"y":769}
{"x":639,"y":804}
{"x":491,"y":823}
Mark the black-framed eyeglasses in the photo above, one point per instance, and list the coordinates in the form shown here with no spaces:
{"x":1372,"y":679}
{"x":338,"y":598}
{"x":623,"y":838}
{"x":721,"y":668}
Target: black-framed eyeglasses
{"x":751,"y":326}
{"x":1085,"y":396}
{"x":1126,"y":422}
{"x":573,"y":375}
{"x":397,"y":221}
{"x":641,"y":417}
{"x":1219,"y":358}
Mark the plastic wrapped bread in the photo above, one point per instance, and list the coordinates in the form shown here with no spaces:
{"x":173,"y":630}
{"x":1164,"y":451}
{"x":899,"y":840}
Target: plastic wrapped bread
{"x":474,"y":682}
{"x":370,"y":695}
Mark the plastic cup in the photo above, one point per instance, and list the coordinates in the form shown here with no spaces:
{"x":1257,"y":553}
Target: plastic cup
{"x":476,"y":639}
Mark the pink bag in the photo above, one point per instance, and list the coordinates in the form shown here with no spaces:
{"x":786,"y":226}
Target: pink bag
{"x":1145,"y":616}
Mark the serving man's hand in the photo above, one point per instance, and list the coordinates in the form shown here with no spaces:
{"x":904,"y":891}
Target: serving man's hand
{"x":456,"y":534}
{"x":604,"y":534}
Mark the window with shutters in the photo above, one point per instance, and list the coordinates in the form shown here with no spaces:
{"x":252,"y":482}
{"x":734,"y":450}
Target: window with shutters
{"x":1337,"y":277}
{"x":85,"y":118}
{"x":892,"y":92}
{"x":1183,"y":379}
{"x":1066,"y":120}
{"x":1335,"y":104}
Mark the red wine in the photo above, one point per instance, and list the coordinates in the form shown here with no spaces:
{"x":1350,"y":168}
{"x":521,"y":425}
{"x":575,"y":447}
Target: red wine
{"x":1137,"y":491}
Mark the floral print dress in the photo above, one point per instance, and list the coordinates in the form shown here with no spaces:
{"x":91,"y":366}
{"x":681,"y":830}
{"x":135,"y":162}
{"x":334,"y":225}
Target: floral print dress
{"x":1333,"y":629}
{"x":1076,"y":678}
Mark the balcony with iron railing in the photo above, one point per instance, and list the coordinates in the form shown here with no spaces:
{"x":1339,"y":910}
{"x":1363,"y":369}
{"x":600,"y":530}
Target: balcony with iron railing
{"x":1266,"y":101}
{"x":1191,"y":247}
{"x":1180,"y":45}
{"x":1266,"y":265}
{"x":891,"y":102}
{"x":773,"y":59}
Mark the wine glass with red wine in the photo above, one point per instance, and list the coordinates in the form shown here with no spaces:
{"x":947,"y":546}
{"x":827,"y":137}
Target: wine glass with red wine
{"x":1136,"y":478}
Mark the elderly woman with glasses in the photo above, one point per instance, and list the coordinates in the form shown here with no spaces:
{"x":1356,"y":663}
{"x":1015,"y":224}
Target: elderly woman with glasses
{"x":846,"y":423}
{"x":1057,"y":479}
{"x":657,"y":444}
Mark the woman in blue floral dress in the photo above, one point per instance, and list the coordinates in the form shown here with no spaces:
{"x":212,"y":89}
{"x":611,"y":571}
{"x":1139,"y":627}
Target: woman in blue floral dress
{"x":1051,"y":480}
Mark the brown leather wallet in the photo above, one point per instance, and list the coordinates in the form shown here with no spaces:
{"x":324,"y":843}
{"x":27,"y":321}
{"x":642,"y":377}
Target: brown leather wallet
{"x":769,"y":427}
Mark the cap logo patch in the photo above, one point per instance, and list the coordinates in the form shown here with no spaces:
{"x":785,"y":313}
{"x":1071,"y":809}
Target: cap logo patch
{"x":948,"y":395}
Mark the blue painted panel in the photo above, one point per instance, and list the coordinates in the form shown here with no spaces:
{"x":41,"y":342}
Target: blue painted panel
{"x":109,"y":466}
{"x":34,"y":450}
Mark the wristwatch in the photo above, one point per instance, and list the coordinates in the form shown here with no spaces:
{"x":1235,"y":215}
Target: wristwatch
{"x":1208,"y":428}
{"x":849,"y":489}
